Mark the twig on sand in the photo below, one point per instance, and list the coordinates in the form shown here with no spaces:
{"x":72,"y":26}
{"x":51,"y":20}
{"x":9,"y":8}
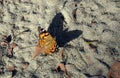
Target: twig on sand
{"x":32,"y":73}
{"x":14,"y":36}
{"x":81,"y":56}
{"x":88,"y":40}
{"x":74,"y":14}
{"x":64,"y":3}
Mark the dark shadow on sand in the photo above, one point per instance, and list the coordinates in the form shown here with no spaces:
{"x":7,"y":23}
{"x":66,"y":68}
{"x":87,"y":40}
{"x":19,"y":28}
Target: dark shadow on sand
{"x":62,"y":36}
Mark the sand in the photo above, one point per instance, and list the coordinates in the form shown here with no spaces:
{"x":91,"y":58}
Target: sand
{"x":90,"y":36}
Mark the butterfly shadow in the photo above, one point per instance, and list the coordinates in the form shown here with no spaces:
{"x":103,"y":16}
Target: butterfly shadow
{"x":63,"y":36}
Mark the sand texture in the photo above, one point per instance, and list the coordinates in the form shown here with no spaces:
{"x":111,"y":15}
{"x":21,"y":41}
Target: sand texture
{"x":87,"y":33}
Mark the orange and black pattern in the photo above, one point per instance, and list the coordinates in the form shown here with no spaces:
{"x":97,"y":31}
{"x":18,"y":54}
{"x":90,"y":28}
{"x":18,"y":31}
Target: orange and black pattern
{"x":46,"y":41}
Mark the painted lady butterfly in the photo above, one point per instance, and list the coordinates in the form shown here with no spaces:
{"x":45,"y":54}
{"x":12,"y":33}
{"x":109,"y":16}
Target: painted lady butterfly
{"x":46,"y":41}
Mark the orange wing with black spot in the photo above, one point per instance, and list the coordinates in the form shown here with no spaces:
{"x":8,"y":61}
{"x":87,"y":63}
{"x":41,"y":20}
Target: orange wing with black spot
{"x":46,"y":41}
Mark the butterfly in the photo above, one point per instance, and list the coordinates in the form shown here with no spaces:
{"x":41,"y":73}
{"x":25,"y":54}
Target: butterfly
{"x":46,"y":43}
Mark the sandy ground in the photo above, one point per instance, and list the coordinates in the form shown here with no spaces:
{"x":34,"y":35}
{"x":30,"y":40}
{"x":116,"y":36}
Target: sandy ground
{"x":88,"y":31}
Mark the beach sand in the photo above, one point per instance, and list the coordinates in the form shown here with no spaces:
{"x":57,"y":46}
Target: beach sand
{"x":88,"y":31}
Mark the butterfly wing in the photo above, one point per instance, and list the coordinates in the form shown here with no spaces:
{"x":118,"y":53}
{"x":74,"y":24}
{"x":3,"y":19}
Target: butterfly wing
{"x":47,"y":42}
